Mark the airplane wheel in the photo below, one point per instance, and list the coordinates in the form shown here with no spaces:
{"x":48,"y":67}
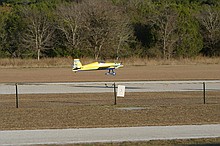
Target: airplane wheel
{"x":113,"y":73}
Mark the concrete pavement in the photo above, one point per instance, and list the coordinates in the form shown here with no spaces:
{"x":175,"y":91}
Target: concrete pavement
{"x":101,"y":87}
{"x":93,"y":135}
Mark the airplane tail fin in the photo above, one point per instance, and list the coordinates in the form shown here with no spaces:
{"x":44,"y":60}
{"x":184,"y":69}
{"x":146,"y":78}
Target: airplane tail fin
{"x":76,"y":65}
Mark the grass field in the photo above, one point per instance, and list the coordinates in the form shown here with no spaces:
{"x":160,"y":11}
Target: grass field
{"x":98,"y":110}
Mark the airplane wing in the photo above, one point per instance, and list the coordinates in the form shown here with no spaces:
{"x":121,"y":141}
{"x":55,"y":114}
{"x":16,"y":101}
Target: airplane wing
{"x":89,"y":68}
{"x":99,"y":66}
{"x":92,"y":66}
{"x":106,"y":66}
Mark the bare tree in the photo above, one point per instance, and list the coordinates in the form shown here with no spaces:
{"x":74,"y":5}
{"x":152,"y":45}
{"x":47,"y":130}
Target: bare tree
{"x":104,"y":28}
{"x":96,"y":24}
{"x":210,"y":20}
{"x":39,"y":31}
{"x":165,"y":22}
{"x":69,"y":23}
{"x":122,"y":33}
{"x":2,"y":31}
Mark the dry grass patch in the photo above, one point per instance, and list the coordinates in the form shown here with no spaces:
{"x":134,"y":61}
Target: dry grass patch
{"x":30,"y":63}
{"x":182,"y":61}
{"x":179,"y":142}
{"x":97,"y":110}
{"x":132,"y":61}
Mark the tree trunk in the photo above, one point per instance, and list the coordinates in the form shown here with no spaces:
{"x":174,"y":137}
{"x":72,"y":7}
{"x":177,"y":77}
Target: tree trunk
{"x":38,"y":54}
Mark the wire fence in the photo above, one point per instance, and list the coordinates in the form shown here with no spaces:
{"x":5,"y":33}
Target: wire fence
{"x":143,"y":93}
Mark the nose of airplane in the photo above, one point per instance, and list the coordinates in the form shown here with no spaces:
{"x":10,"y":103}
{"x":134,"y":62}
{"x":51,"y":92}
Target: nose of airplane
{"x":121,"y":65}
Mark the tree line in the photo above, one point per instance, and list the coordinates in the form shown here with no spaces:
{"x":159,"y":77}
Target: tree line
{"x":104,"y":29}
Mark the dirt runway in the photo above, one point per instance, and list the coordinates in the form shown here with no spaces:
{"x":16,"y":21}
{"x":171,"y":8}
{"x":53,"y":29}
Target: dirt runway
{"x":128,"y":73}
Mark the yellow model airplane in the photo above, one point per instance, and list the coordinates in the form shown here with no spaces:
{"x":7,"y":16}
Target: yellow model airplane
{"x":77,"y":66}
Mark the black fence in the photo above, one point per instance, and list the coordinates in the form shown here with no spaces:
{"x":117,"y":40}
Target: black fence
{"x":149,"y":93}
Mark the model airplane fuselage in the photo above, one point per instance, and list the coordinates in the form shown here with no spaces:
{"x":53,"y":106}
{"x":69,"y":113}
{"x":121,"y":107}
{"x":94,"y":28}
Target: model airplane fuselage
{"x":77,"y":66}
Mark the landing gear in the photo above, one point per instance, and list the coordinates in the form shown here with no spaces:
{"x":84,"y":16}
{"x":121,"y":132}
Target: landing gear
{"x":110,"y":72}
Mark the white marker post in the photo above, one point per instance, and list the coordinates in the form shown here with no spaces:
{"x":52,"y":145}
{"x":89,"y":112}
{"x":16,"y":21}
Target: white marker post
{"x":121,"y":91}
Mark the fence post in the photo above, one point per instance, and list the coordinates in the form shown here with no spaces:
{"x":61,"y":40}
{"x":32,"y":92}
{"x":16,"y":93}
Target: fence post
{"x":204,"y":100}
{"x":16,"y":88}
{"x":115,"y":94}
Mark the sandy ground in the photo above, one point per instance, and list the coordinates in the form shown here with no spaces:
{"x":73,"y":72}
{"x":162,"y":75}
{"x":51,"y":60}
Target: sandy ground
{"x":128,"y":73}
